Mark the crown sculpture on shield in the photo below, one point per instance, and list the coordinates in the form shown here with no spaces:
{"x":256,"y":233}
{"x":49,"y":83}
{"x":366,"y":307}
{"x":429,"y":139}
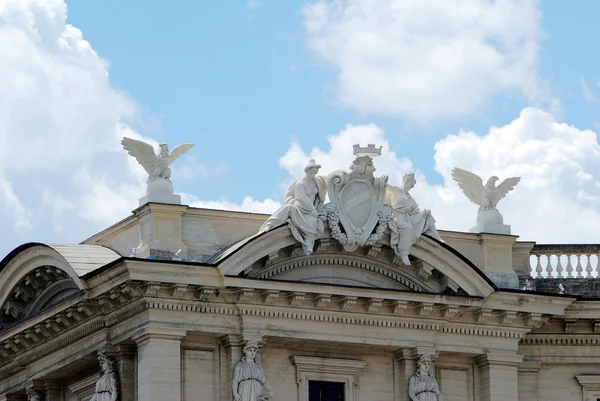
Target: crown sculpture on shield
{"x":361,"y":207}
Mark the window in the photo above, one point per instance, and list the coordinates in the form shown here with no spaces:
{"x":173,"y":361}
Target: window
{"x":590,"y":385}
{"x":332,"y":373}
{"x":325,"y":391}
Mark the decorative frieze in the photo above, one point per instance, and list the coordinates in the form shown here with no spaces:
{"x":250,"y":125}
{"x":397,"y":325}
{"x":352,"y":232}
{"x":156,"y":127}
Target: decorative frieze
{"x":508,"y":317}
{"x":270,"y":296}
{"x":399,"y":307}
{"x":424,"y":309}
{"x":322,"y":300}
{"x":244,"y":294}
{"x":152,"y":289}
{"x":177,"y":290}
{"x":206,"y":293}
{"x":348,"y":303}
{"x":533,"y":320}
{"x":450,"y":311}
{"x":296,"y":298}
{"x":374,"y":304}
{"x":483,"y":315}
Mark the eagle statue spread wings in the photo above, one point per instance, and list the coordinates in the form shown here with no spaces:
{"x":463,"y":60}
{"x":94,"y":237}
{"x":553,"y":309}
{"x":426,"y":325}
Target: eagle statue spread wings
{"x":155,"y":164}
{"x":486,"y":196}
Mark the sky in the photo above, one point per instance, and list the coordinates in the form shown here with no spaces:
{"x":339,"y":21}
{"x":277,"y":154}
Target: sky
{"x":506,"y":88}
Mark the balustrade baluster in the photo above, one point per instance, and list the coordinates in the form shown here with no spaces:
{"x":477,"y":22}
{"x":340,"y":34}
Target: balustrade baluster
{"x":579,"y":268}
{"x":538,"y":267}
{"x":588,"y":266}
{"x":570,"y":266}
{"x":549,"y":265}
{"x":559,"y":268}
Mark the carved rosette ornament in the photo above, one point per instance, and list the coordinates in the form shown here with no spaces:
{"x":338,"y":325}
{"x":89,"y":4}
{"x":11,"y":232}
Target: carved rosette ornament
{"x":356,"y":214}
{"x":249,"y":377}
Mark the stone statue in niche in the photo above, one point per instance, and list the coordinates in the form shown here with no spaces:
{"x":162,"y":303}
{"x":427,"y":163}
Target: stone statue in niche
{"x":106,"y":386}
{"x":32,"y":395}
{"x":303,"y":208}
{"x":422,"y":386}
{"x":409,"y":220}
{"x":249,"y":377}
{"x":159,"y":185}
{"x":486,"y":197}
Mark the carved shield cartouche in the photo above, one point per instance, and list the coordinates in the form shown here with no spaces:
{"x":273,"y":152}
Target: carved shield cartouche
{"x":354,"y":208}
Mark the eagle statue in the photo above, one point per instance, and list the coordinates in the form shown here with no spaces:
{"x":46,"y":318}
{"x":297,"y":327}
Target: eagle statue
{"x":155,"y":164}
{"x":485,"y":196}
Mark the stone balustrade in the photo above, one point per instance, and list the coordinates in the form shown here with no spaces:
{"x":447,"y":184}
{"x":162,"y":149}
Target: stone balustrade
{"x":564,"y":260}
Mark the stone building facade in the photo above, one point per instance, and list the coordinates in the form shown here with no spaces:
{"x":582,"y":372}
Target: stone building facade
{"x":173,"y":316}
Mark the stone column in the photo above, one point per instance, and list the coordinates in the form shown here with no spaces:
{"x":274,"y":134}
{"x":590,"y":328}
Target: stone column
{"x":159,"y":364}
{"x":126,"y":367}
{"x":498,"y":373}
{"x":232,"y":353}
{"x":528,"y":380}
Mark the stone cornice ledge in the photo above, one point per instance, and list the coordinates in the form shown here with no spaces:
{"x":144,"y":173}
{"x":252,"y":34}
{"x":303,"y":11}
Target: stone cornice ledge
{"x":499,"y":359}
{"x":327,"y":365}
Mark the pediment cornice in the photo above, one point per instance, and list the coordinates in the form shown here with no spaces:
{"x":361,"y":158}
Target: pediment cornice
{"x":276,"y":252}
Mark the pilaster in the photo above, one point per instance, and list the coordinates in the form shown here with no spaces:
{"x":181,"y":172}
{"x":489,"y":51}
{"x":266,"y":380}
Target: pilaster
{"x":159,"y":364}
{"x":528,"y":380}
{"x":498,"y":376}
{"x":126,"y":367}
{"x":232,"y":352}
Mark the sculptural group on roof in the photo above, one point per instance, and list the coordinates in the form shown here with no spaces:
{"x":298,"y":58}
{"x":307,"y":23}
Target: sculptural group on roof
{"x":360,"y":208}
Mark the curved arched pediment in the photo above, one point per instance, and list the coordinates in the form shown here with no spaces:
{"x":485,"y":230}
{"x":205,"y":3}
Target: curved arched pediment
{"x":35,"y":276}
{"x":277,"y":255}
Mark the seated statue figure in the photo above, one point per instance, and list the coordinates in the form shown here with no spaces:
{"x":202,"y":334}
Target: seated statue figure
{"x":422,"y":386}
{"x":410,"y":221}
{"x":303,"y":208}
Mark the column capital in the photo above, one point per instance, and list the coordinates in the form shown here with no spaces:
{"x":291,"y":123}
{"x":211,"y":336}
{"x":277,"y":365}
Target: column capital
{"x":530,"y":365}
{"x":414,"y":353}
{"x":157,"y":333}
{"x":499,"y":359}
{"x":232,"y":340}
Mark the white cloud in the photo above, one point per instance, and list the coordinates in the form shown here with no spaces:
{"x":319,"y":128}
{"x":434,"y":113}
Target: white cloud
{"x":248,"y":204}
{"x":63,"y":174}
{"x":427,"y":59}
{"x":557,"y":200}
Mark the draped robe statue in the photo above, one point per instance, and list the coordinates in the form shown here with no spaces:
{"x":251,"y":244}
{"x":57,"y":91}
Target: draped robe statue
{"x":303,"y":208}
{"x":422,"y":386}
{"x":249,"y":377}
{"x":106,"y":387}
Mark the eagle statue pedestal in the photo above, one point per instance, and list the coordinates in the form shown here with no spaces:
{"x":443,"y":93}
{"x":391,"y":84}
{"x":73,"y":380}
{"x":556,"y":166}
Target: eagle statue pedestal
{"x":160,"y":190}
{"x":490,"y":221}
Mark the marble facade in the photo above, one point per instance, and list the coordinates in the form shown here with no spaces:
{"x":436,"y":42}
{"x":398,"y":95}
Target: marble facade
{"x":176,"y":329}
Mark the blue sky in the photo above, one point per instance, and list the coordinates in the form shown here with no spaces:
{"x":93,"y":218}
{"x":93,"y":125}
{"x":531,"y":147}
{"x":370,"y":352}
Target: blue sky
{"x":246,"y":80}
